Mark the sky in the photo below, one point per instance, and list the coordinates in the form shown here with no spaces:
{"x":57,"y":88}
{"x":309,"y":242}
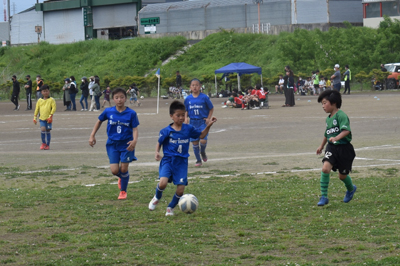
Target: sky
{"x":20,"y":5}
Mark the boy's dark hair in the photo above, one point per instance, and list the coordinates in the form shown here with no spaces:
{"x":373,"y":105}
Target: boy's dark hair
{"x":176,"y":105}
{"x":333,"y":96}
{"x":72,"y":78}
{"x":133,"y":85}
{"x":44,"y":87}
{"x":258,"y":87}
{"x":346,"y":66}
{"x":321,"y":77}
{"x":195,"y":79}
{"x":250,"y":88}
{"x":234,"y":94}
{"x":118,"y":90}
{"x":317,"y":71}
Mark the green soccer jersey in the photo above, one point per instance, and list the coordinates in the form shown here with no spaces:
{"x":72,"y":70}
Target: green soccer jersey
{"x":335,"y":125}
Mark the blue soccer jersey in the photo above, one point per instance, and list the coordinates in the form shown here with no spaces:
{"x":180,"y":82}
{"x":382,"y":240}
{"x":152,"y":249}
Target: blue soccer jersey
{"x":199,"y":107}
{"x":176,"y":143}
{"x":120,"y":125}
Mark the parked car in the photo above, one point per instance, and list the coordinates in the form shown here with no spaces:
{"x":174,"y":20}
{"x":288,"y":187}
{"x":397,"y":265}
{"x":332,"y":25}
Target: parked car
{"x":392,"y":81}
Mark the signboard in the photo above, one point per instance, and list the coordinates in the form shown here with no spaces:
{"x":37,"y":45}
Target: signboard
{"x":150,"y":21}
{"x":85,"y":17}
{"x":148,"y":29}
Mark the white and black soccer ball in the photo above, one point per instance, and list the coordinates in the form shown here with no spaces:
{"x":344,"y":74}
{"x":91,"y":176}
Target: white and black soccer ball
{"x":188,"y":203}
{"x":142,"y":97}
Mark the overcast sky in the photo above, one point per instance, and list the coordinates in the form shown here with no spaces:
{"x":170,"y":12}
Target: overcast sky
{"x":19,"y":5}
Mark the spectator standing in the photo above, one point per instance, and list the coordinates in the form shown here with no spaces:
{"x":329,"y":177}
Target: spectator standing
{"x":96,"y":92}
{"x":290,"y":89}
{"x":106,"y":93}
{"x":178,"y":80}
{"x":39,"y":83}
{"x":300,"y":85}
{"x":85,"y":93}
{"x":347,"y":78}
{"x":92,"y":100}
{"x":28,"y":91}
{"x":316,"y":81}
{"x":383,"y":68}
{"x":15,"y":92}
{"x":336,"y":78}
{"x":67,"y":97}
{"x":73,"y":90}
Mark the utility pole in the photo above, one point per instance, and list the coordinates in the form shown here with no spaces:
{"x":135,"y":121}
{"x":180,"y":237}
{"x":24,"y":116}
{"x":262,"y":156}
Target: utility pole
{"x":258,"y":2}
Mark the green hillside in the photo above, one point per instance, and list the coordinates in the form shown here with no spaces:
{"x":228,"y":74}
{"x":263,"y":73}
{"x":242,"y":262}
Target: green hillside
{"x":362,"y":48}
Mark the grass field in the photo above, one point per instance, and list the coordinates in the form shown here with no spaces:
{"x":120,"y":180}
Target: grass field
{"x":257,"y":198}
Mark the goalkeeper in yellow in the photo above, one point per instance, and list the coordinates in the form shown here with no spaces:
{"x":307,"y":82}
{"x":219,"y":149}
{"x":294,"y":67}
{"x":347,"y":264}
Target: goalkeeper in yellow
{"x":45,"y":107}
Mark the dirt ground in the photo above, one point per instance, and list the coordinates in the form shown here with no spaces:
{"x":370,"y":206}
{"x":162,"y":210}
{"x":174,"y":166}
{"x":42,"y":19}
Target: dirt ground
{"x":246,"y":141}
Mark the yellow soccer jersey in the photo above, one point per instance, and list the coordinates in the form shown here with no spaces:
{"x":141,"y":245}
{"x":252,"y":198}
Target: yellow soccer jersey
{"x":45,"y":108}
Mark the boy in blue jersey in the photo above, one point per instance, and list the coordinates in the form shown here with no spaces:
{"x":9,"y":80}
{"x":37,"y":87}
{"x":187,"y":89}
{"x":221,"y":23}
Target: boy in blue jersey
{"x":175,"y":140}
{"x":199,"y":109}
{"x":122,"y":138}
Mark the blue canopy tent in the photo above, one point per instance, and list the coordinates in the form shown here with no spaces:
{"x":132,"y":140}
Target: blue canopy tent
{"x":240,"y":69}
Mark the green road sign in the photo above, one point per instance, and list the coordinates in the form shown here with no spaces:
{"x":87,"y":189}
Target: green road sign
{"x":150,"y":21}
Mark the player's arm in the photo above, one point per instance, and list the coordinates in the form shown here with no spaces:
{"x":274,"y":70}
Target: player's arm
{"x":210,"y":113}
{"x":342,"y":134}
{"x":36,"y":111}
{"x":321,"y":147}
{"x":132,"y":143}
{"x":92,"y":139}
{"x":207,"y":129}
{"x":158,"y":156}
{"x":186,"y":118}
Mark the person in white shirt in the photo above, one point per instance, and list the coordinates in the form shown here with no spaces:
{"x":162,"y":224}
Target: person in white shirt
{"x":279,"y":87}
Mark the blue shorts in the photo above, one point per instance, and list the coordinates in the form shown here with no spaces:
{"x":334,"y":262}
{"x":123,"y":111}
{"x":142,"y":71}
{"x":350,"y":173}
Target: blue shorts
{"x":133,"y":99}
{"x":175,"y":168}
{"x":117,"y":152}
{"x":43,"y":123}
{"x":199,"y":124}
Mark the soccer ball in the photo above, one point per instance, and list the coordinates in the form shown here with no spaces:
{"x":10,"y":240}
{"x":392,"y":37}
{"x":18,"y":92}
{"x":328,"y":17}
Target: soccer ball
{"x":188,"y":203}
{"x":142,"y":97}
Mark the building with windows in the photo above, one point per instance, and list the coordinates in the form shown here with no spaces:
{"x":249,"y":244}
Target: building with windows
{"x":374,"y":10}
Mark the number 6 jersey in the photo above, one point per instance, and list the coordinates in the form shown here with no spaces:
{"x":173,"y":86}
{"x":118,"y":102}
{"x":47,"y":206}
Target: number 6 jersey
{"x":176,"y":143}
{"x":120,"y":125}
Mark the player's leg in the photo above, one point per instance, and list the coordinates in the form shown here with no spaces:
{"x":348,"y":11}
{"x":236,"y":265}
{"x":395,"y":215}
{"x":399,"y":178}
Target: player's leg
{"x":324,"y":183}
{"x":196,"y":151}
{"x":180,"y":171}
{"x":175,"y":199}
{"x":43,"y":135}
{"x":203,"y":146}
{"x":164,"y":172}
{"x":48,"y":136}
{"x":347,"y":156}
{"x":81,"y":102}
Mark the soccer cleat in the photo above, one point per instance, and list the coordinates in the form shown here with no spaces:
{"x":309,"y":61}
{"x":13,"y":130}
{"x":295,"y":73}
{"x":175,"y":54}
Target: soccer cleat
{"x":170,"y":212}
{"x":18,"y":106}
{"x":349,"y":195}
{"x":42,"y":146}
{"x":46,"y":147}
{"x":153,"y":203}
{"x":119,"y":183}
{"x":122,"y":195}
{"x":204,"y":157}
{"x":198,"y":164}
{"x":323,"y":201}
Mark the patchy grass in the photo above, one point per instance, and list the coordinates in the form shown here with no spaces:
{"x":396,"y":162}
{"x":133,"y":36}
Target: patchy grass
{"x":244,"y":219}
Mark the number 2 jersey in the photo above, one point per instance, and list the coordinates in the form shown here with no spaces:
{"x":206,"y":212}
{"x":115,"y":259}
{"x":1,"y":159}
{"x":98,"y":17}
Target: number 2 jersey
{"x":176,"y":143}
{"x":120,"y":125}
{"x":335,"y":125}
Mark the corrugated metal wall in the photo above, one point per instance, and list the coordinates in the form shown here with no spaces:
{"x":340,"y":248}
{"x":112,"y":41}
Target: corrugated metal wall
{"x":349,"y":10}
{"x":207,"y":17}
{"x":309,"y":11}
{"x":64,"y":26}
{"x":4,"y":31}
{"x":114,"y":16}
{"x":23,"y":27}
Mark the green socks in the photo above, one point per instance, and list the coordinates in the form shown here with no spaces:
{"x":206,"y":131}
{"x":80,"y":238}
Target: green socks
{"x":348,"y":183}
{"x":325,"y":183}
